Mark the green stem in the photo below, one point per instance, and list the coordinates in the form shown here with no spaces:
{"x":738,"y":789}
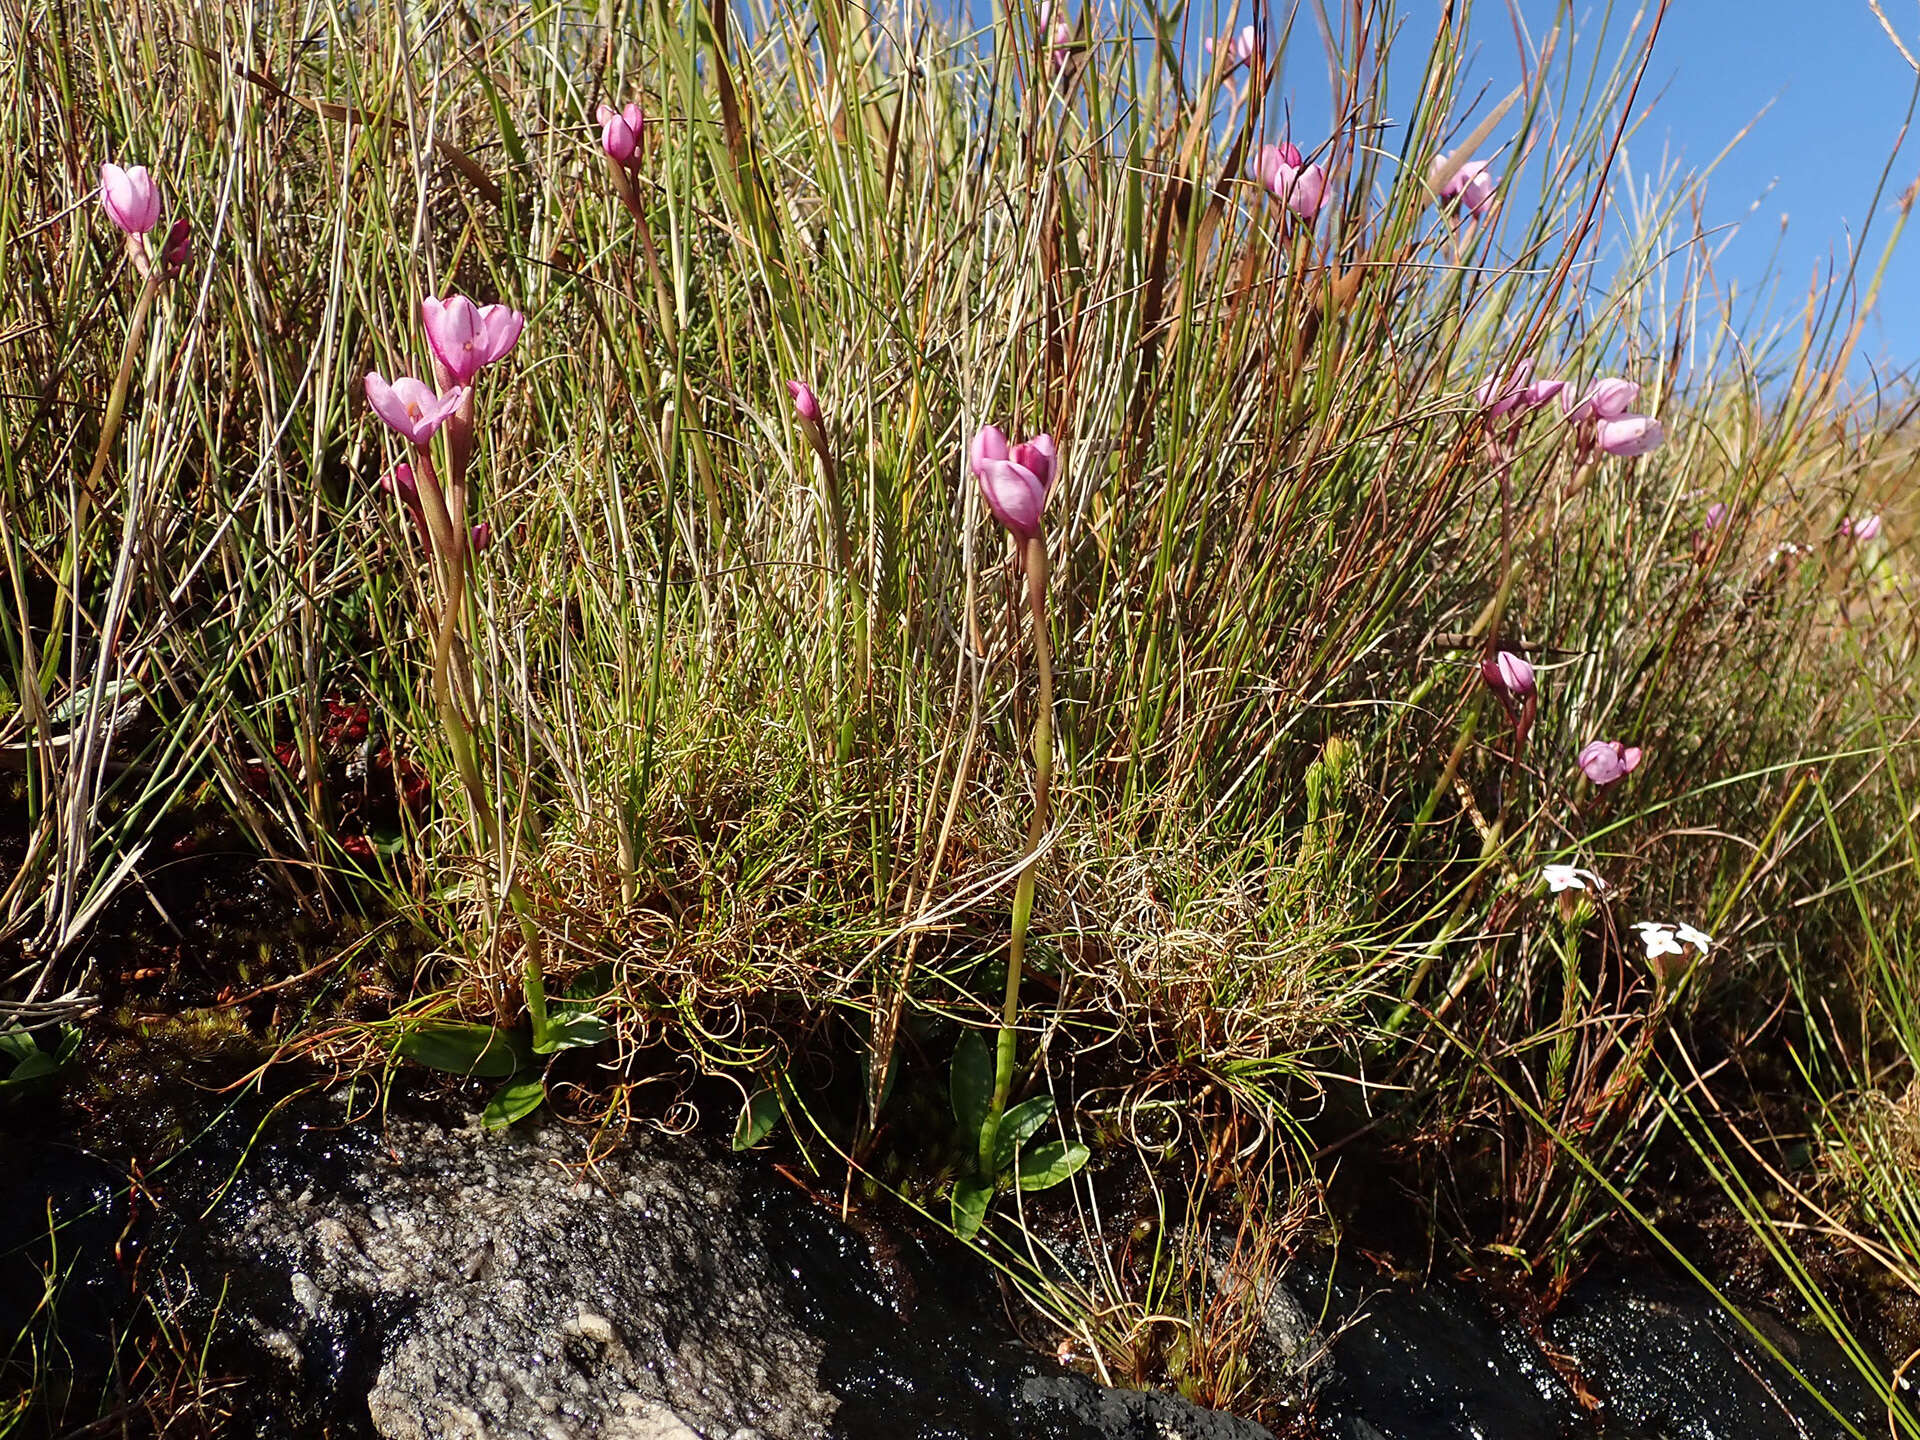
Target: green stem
{"x":117,"y":401}
{"x":441,"y":523}
{"x":629,"y":194}
{"x":109,"y":432}
{"x":1008,"y":1043}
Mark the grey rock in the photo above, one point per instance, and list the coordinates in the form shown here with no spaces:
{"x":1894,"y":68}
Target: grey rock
{"x":1292,"y":1355}
{"x":450,"y":1283}
{"x":537,"y":1304}
{"x":1128,"y":1414}
{"x":1291,"y":1358}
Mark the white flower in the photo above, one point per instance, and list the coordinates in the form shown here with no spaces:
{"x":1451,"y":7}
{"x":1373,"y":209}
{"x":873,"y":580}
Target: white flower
{"x":1661,"y":938}
{"x":1570,"y":877}
{"x":1699,"y":939}
{"x":1658,"y":938}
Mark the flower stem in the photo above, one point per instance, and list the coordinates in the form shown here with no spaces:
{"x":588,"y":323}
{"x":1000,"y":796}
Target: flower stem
{"x":117,"y":401}
{"x":629,"y":195}
{"x":448,"y":537}
{"x":109,"y":432}
{"x":1008,"y":1043}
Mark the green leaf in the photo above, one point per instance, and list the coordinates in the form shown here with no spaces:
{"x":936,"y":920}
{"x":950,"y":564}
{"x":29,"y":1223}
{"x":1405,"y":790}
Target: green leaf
{"x":758,"y":1116}
{"x":75,"y":705}
{"x":1047,"y":1165}
{"x":16,"y":1045}
{"x":970,"y":1197}
{"x":460,"y":1049}
{"x":509,"y":137}
{"x":572,"y":1030}
{"x":513,"y":1101}
{"x":1017,"y":1127}
{"x":36,"y":1066}
{"x":971,"y":1086}
{"x":69,"y":1044}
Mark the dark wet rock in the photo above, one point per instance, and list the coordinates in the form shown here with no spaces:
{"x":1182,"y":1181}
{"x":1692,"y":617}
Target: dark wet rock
{"x":453,"y":1284}
{"x":1665,"y":1359}
{"x":1433,"y":1364}
{"x":1075,"y":1405}
{"x":1656,"y":1358}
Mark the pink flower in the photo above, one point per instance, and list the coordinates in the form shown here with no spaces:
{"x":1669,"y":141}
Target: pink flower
{"x":805,"y":404}
{"x":482,"y":537}
{"x":1716,"y":515}
{"x":1509,"y":675}
{"x":1867,"y":527}
{"x":1302,"y":189}
{"x":466,"y":337}
{"x":1630,"y":435}
{"x":1472,"y":186}
{"x":1541,"y":391}
{"x":1606,"y":399}
{"x":1059,"y":34}
{"x":1518,"y":391}
{"x":400,"y":482}
{"x":410,"y":407}
{"x":1268,"y":157}
{"x":1605,"y":761}
{"x":177,"y":253}
{"x":131,"y":198}
{"x":621,"y":131}
{"x":1013,"y":479}
{"x":1307,"y":193}
{"x":1240,"y":49}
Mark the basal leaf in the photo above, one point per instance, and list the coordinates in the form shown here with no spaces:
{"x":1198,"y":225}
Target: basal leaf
{"x":971,"y":1087}
{"x":513,"y":1102}
{"x":1047,"y":1165}
{"x":970,"y":1197}
{"x":460,"y":1049}
{"x":1017,"y":1127}
{"x":758,"y":1116}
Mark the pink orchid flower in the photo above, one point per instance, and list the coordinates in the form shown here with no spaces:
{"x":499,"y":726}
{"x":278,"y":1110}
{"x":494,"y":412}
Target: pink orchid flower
{"x":399,"y":482}
{"x":1629,"y":435}
{"x":177,"y":253}
{"x":1059,"y":31}
{"x":465,"y":338}
{"x":805,"y":403}
{"x":410,"y":407}
{"x":1605,"y":761}
{"x":621,"y":131}
{"x":131,"y":198}
{"x":1518,"y":391}
{"x":1472,"y":186}
{"x":1866,"y":527}
{"x":1014,"y":479}
{"x":1716,"y":515}
{"x":1607,"y":399}
{"x":1240,"y":49}
{"x":1301,"y":188}
{"x":1509,"y":674}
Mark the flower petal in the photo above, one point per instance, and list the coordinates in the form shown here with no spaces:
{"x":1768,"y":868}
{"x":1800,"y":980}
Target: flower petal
{"x":1630,"y":435}
{"x":1014,"y":494}
{"x":989,"y":444}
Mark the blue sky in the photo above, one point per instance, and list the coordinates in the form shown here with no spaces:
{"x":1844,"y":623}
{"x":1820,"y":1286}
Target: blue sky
{"x":1823,"y":89}
{"x":1839,"y":92}
{"x":1822,"y":86}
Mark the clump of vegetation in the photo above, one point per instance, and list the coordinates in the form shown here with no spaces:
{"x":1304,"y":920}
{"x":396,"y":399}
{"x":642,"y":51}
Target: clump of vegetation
{"x":1435,"y":673}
